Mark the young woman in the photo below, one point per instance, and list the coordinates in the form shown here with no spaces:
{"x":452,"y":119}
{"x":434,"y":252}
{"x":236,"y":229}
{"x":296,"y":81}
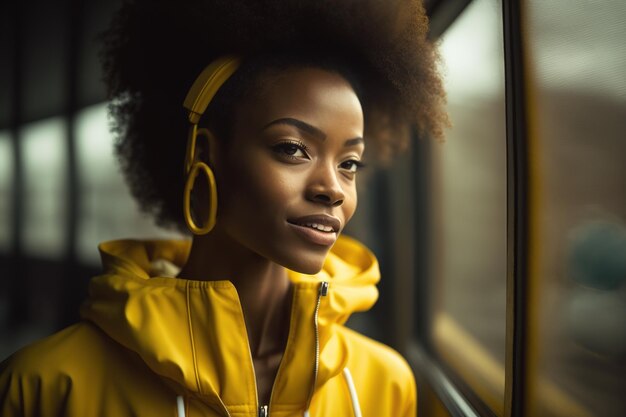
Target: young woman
{"x":246,"y":123}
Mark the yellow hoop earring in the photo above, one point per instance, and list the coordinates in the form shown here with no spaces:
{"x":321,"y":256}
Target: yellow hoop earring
{"x":191,"y":179}
{"x":196,"y":102}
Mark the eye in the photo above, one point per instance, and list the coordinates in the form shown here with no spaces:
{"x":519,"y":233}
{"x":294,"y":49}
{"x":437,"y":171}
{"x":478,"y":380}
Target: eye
{"x":352,"y":165}
{"x":295,"y":150}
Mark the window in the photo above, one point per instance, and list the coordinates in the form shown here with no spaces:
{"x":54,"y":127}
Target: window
{"x":45,"y":183}
{"x":578,"y":155}
{"x":6,"y":191}
{"x":107,"y":211}
{"x":469,"y":206}
{"x":565,"y":299}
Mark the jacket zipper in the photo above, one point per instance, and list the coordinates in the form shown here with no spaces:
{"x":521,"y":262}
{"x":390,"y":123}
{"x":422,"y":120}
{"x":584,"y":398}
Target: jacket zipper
{"x":323,"y":292}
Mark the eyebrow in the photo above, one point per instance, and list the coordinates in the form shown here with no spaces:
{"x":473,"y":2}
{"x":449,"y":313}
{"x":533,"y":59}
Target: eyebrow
{"x":310,"y":129}
{"x":354,"y":141}
{"x":300,"y":125}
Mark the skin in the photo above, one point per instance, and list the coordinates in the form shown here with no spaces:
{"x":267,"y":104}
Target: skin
{"x":274,"y":169}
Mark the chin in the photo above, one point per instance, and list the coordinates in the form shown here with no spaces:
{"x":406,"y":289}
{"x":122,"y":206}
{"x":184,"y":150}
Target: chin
{"x":309,"y":265}
{"x":311,"y":270}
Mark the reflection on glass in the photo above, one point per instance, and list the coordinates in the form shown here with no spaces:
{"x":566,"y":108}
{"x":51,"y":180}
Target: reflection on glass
{"x":470,"y":203}
{"x":45,"y":187}
{"x":6,"y":191}
{"x":579,"y":61}
{"x":107,"y":211}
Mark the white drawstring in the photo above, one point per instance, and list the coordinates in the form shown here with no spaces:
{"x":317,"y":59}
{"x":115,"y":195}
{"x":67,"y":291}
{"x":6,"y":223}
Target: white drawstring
{"x":355,"y":399}
{"x":356,"y":407}
{"x":180,"y":406}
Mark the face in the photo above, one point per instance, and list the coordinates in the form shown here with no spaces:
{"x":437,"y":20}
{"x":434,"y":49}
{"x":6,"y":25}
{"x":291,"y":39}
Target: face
{"x":287,"y":178}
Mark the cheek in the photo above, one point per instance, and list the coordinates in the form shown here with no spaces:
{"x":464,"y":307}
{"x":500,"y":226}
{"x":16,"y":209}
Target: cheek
{"x":257,"y":189}
{"x":350,"y":204}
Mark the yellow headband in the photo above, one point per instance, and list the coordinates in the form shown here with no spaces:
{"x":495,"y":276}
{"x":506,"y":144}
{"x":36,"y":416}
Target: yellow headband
{"x":206,"y":85}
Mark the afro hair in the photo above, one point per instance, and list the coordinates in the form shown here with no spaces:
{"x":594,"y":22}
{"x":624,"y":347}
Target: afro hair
{"x":154,"y":49}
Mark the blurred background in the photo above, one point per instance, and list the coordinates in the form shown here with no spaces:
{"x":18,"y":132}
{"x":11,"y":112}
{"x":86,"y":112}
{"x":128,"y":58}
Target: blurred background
{"x":443,"y":219}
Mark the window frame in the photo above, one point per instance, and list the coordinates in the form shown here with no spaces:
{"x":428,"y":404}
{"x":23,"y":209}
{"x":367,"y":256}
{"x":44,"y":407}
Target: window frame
{"x":452,"y":390}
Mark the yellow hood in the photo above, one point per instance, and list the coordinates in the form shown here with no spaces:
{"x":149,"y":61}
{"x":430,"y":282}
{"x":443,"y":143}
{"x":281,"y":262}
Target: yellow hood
{"x":192,"y":333}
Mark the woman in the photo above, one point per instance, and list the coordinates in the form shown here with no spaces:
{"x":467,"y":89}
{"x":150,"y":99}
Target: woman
{"x":246,"y":319}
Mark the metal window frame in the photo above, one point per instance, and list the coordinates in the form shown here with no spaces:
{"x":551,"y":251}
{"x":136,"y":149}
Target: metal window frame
{"x":517,"y":209}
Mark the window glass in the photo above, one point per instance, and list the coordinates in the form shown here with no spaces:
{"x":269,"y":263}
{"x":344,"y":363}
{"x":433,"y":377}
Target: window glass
{"x":469,"y":193}
{"x":45,"y":187}
{"x":6,"y":191}
{"x":578,"y":59}
{"x":107,"y":210}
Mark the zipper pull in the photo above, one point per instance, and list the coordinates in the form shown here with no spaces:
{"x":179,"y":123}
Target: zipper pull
{"x":324,"y":288}
{"x":263,"y":411}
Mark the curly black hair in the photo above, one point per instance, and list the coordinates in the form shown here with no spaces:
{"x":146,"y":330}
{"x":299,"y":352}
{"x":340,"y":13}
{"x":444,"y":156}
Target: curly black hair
{"x":154,"y":50}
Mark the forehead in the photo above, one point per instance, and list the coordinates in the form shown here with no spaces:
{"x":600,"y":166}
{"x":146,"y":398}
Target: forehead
{"x":317,"y":96}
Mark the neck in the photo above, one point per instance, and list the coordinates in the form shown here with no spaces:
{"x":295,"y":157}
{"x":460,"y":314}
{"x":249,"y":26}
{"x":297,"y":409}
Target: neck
{"x":263,"y":287}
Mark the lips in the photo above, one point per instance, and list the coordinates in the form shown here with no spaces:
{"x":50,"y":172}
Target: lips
{"x":318,"y":229}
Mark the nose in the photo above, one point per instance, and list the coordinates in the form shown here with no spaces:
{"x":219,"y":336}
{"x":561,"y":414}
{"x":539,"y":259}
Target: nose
{"x":324,"y":187}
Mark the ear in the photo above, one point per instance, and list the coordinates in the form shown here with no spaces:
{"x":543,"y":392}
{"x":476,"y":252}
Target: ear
{"x":207,"y":148}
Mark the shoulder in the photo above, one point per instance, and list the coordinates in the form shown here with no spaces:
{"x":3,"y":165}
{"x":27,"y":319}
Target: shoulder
{"x":380,"y":373}
{"x":63,"y":352}
{"x":44,"y":375}
{"x":379,"y":357}
{"x":79,"y":371}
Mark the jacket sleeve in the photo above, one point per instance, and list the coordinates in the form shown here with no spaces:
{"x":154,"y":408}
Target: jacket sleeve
{"x":410,"y":405}
{"x":27,"y":393}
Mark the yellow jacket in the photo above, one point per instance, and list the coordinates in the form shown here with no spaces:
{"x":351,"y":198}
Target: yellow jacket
{"x":158,"y":346}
